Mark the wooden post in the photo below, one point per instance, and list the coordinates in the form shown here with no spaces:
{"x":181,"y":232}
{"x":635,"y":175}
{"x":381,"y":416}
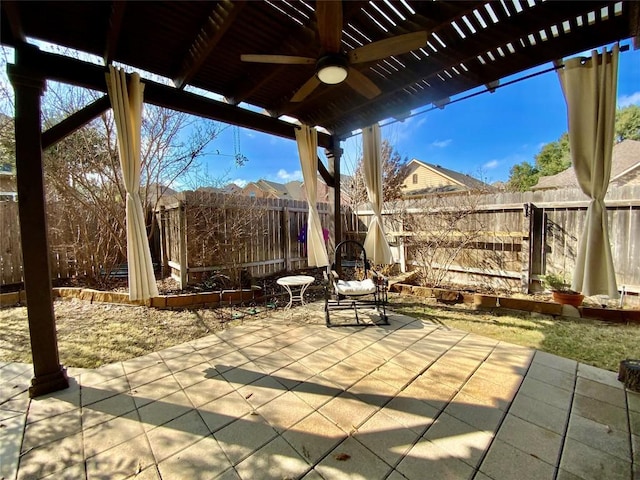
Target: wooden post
{"x":286,"y":235}
{"x":162,"y":223}
{"x":333,"y":155}
{"x":183,"y":245}
{"x":49,"y":375}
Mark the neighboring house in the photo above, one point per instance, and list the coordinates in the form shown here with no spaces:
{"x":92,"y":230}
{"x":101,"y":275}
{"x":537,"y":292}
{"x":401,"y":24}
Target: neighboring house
{"x":625,"y":169}
{"x":268,"y":189}
{"x":425,"y":178}
{"x":7,"y":183}
{"x":325,"y":193}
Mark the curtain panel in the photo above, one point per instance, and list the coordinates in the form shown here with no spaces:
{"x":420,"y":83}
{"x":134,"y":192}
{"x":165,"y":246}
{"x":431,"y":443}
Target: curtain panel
{"x":307,"y":139}
{"x":126,"y":101}
{"x":375,"y":243}
{"x":590,"y":87}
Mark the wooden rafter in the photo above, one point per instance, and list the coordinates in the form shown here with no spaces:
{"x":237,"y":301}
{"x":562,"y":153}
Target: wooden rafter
{"x":113,"y":33}
{"x":221,"y":18}
{"x":10,"y":8}
{"x":74,"y":122}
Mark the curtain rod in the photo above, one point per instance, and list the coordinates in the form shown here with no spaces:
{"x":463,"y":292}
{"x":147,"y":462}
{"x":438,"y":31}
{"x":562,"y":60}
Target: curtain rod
{"x":556,"y":66}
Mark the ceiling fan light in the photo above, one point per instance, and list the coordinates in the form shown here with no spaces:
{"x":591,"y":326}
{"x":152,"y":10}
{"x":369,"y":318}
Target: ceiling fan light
{"x":332,"y":70}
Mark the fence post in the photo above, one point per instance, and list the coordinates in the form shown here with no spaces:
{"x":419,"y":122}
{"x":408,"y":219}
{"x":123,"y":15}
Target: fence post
{"x":162,"y":222}
{"x":526,"y":250}
{"x":183,"y":245}
{"x":287,"y":235}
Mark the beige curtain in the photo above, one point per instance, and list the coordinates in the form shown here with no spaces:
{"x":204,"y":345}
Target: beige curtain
{"x":589,"y":87}
{"x":375,"y":244}
{"x":126,"y":101}
{"x":307,"y":139}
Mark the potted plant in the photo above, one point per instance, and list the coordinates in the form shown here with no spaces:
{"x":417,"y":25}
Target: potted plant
{"x":561,"y":290}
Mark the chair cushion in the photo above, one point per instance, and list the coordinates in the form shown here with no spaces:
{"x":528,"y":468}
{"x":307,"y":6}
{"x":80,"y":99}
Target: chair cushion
{"x":355,"y":287}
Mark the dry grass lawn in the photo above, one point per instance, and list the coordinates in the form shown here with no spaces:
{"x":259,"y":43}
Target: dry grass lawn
{"x":90,"y":335}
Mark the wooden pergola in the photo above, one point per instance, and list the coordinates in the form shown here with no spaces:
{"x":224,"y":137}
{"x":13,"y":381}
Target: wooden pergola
{"x":201,"y":43}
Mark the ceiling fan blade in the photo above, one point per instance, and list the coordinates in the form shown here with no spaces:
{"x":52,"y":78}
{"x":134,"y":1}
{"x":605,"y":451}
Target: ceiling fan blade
{"x":389,"y":46}
{"x":305,"y":90}
{"x":329,"y":16}
{"x":361,"y":84}
{"x":282,"y":59}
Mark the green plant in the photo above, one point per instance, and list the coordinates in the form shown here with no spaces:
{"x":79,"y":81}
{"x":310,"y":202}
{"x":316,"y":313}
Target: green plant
{"x":557,"y":283}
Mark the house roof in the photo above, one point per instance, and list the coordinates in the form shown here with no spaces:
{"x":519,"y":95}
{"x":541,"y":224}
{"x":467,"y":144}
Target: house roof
{"x":625,"y":157}
{"x":198,"y":45}
{"x":462,"y":180}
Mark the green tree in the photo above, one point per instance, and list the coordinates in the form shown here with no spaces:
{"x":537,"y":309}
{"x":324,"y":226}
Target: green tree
{"x":628,"y":123}
{"x":522,"y":177}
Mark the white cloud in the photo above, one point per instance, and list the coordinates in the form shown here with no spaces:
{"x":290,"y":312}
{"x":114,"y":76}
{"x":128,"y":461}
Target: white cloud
{"x":240,"y":182}
{"x":627,"y":100}
{"x":289,"y":176}
{"x":491,"y":164}
{"x":442,"y":143}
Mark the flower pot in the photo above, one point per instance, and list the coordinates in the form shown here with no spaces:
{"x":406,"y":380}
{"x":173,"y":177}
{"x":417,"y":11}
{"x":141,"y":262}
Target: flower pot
{"x":566,"y":298}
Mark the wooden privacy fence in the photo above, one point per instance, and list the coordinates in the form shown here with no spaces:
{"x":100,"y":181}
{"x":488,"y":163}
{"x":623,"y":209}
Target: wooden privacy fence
{"x":211,"y":232}
{"x":508,"y":239}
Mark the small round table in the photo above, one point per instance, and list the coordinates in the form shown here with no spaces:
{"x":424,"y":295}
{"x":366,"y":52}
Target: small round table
{"x":294,"y":281}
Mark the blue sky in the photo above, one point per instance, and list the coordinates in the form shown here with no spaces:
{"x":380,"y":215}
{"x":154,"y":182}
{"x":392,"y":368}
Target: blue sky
{"x":483,"y":136}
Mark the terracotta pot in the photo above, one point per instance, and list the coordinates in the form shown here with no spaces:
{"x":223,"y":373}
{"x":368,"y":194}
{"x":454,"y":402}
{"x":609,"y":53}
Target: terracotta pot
{"x":564,"y":298}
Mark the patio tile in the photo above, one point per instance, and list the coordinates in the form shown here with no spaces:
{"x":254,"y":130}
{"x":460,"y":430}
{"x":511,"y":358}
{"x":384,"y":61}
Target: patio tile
{"x":224,"y":410}
{"x":554,"y":361}
{"x":477,"y":413}
{"x":76,"y":471}
{"x":394,"y":375}
{"x":459,"y":439}
{"x":351,"y":460}
{"x":106,"y":410}
{"x":552,"y":376}
{"x":205,"y":342}
{"x":633,"y":401}
{"x":195,"y":374}
{"x":202,"y":460}
{"x":319,"y":361}
{"x":564,"y":475}
{"x":18,"y":402}
{"x":428,"y":390}
{"x":546,"y":393}
{"x":634,"y":422}
{"x":425,"y":457}
{"x":138,"y":363}
{"x":262,"y":391}
{"x":229,"y":360}
{"x":12,"y":433}
{"x":158,"y":413}
{"x":292,"y":375}
{"x":532,"y":439}
{"x":599,"y":391}
{"x":314,"y":437}
{"x":411,"y":413}
{"x":445,"y":372}
{"x":635,"y":446}
{"x":275,"y":460}
{"x":176,"y":351}
{"x":274,"y":361}
{"x":243,"y":375}
{"x":386,"y":437}
{"x":176,"y":435}
{"x":599,"y":375}
{"x":343,"y":375}
{"x":51,"y":458}
{"x":154,"y":390}
{"x":504,"y":462}
{"x":592,"y":464}
{"x":208,"y":390}
{"x":499,"y":395}
{"x":53,"y":428}
{"x":284,"y":411}
{"x":347,"y":411}
{"x":188,"y":360}
{"x":599,"y":436}
{"x":601,"y":412}
{"x":148,"y":374}
{"x":316,"y":391}
{"x":109,"y":434}
{"x":540,"y":413}
{"x":122,"y":461}
{"x":243,"y":437}
{"x":52,"y":404}
{"x":373,"y":391}
{"x":312,"y":475}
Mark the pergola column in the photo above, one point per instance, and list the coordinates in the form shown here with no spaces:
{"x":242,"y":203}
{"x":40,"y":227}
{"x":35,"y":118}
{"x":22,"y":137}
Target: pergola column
{"x":333,"y":156}
{"x":49,"y":375}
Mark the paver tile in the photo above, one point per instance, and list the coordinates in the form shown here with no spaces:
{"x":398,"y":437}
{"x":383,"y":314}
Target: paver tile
{"x":107,"y":409}
{"x":351,"y":460}
{"x":634,"y":422}
{"x":599,"y":436}
{"x":592,"y":464}
{"x":599,"y":375}
{"x":459,"y":439}
{"x":50,"y":458}
{"x":552,"y":376}
{"x":373,"y":391}
{"x":546,"y":393}
{"x":275,"y":460}
{"x":12,"y":435}
{"x":176,"y":435}
{"x":633,"y":401}
{"x":602,"y":392}
{"x":347,"y":411}
{"x":504,"y":461}
{"x":122,"y":461}
{"x":155,"y":390}
{"x":478,"y":413}
{"x":426,"y":456}
{"x":262,"y":391}
{"x":202,"y":460}
{"x":107,"y":435}
{"x":532,"y":439}
{"x":554,"y":361}
{"x":410,"y":412}
{"x":162,"y":411}
{"x":316,"y":391}
{"x":45,"y":431}
{"x":601,"y":412}
{"x":243,"y":437}
{"x":314,"y":437}
{"x":386,"y":437}
{"x":77,"y":471}
{"x":284,"y":411}
{"x":431,"y":391}
{"x":540,"y":413}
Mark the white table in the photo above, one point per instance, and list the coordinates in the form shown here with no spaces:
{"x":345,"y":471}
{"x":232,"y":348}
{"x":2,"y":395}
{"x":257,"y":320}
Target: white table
{"x":295,"y":281}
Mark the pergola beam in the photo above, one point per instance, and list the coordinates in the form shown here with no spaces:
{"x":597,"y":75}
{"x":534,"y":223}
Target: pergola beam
{"x":74,"y":122}
{"x":113,"y":34}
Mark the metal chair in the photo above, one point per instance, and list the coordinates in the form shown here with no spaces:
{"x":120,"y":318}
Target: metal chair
{"x":351,"y":283}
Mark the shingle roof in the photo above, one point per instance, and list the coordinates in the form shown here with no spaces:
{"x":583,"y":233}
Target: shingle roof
{"x":462,"y":179}
{"x":626,"y":156}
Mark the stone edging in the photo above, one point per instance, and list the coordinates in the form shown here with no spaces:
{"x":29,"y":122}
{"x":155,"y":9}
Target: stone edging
{"x":481,"y":301}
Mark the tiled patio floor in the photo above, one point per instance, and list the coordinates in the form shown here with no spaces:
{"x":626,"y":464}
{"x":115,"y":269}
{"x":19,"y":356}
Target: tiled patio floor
{"x":280,"y":399}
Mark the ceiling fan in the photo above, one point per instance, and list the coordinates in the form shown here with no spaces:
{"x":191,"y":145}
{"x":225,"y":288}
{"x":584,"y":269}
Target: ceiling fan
{"x":334,"y":66}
